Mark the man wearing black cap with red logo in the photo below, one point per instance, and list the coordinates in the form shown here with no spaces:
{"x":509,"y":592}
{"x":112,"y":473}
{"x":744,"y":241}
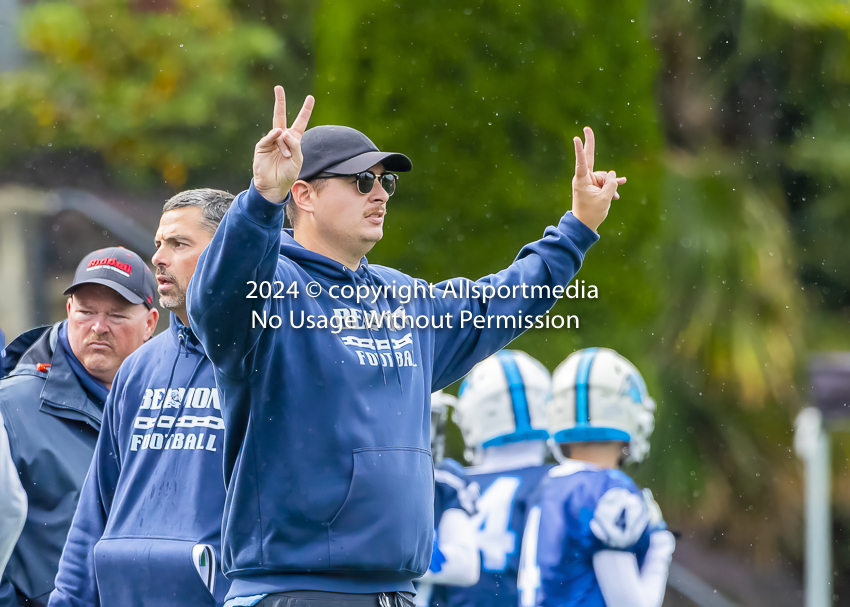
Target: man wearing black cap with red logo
{"x":327,"y":364}
{"x":52,"y":405}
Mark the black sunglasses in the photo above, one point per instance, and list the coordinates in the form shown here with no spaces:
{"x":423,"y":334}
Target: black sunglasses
{"x":366,"y":181}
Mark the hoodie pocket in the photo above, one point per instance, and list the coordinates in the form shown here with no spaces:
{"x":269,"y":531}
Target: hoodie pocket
{"x":387,"y":520}
{"x":141,"y":572}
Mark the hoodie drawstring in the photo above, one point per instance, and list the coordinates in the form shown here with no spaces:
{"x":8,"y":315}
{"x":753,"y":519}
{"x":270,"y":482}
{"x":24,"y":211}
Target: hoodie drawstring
{"x":181,"y":344}
{"x":368,"y":324}
{"x":182,"y":340}
{"x":372,"y":282}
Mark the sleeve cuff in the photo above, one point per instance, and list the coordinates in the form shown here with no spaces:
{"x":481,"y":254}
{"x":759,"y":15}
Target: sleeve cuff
{"x":259,"y":210}
{"x":580,"y":234}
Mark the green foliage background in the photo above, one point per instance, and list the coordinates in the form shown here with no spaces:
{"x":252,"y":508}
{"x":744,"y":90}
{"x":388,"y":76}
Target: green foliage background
{"x":719,"y":271}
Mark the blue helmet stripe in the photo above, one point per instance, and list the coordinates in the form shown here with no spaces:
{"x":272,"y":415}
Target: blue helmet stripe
{"x":523,"y":430}
{"x":522,"y":418}
{"x":589,"y":434}
{"x":582,"y":377}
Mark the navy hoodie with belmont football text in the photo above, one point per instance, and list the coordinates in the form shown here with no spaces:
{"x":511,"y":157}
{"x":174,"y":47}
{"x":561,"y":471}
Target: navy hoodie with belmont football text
{"x":327,"y":449}
{"x":147,"y":530}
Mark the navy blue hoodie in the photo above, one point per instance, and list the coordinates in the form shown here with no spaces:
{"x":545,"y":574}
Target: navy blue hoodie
{"x":327,"y":451}
{"x":154,"y":490}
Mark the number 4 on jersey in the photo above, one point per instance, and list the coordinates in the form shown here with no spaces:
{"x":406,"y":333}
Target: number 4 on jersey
{"x":495,"y":540}
{"x":620,"y":518}
{"x":529,"y":572}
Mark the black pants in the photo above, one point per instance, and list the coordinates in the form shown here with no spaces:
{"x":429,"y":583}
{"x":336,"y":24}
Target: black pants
{"x":310,"y":598}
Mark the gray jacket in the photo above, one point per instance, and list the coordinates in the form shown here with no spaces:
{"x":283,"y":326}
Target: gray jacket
{"x":13,"y":504}
{"x":52,"y":426}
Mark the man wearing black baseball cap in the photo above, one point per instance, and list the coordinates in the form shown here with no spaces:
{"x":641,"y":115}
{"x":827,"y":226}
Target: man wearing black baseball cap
{"x":333,"y":228}
{"x":52,"y":405}
{"x":330,"y":486}
{"x":119,"y":269}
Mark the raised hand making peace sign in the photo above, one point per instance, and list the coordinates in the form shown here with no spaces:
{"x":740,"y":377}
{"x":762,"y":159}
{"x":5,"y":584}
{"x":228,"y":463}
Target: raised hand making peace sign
{"x":277,"y":156}
{"x":592,"y":191}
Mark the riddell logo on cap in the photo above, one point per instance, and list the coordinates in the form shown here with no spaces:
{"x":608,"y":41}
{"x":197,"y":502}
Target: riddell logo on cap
{"x":111,"y":263}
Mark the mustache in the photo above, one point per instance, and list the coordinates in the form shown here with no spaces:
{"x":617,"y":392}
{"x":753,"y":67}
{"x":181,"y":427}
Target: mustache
{"x":102,"y":337}
{"x":165,"y":274}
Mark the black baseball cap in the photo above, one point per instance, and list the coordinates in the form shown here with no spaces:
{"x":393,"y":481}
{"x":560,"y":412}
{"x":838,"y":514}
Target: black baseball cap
{"x":119,"y":269}
{"x":341,"y":150}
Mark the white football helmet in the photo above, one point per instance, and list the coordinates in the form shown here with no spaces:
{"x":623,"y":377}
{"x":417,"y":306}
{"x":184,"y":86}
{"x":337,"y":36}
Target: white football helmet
{"x":600,"y":396}
{"x":503,"y":400}
{"x":440,"y":403}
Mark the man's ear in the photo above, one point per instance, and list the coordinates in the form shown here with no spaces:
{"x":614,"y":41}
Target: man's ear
{"x":68,"y":307}
{"x":302,"y":195}
{"x":151,"y":322}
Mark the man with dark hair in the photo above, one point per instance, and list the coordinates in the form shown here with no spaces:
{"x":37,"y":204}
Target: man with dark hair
{"x":148,"y":526}
{"x":52,"y":405}
{"x":212,"y":205}
{"x":327,"y":451}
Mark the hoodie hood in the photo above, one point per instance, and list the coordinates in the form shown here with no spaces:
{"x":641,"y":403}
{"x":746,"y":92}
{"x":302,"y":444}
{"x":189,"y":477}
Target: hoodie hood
{"x":318,"y":265}
{"x":189,"y":339}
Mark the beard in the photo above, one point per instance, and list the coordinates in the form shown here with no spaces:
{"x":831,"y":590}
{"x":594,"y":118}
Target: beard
{"x":173,"y":300}
{"x":176,"y":298}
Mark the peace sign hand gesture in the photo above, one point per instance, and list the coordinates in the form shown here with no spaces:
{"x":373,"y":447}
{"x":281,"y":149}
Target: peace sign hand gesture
{"x":592,"y":191}
{"x":277,"y":156}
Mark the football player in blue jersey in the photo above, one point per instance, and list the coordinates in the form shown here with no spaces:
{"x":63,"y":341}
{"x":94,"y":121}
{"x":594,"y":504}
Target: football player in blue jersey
{"x":592,"y":537}
{"x":454,"y":561}
{"x":501,"y":413}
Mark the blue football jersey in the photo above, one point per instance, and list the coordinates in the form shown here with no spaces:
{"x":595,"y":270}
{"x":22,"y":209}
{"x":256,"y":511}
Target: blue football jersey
{"x":451,"y":490}
{"x":579,"y":510}
{"x":500,"y":521}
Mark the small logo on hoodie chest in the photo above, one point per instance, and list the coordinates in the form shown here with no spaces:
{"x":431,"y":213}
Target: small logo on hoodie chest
{"x":181,"y":419}
{"x":370,"y":349}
